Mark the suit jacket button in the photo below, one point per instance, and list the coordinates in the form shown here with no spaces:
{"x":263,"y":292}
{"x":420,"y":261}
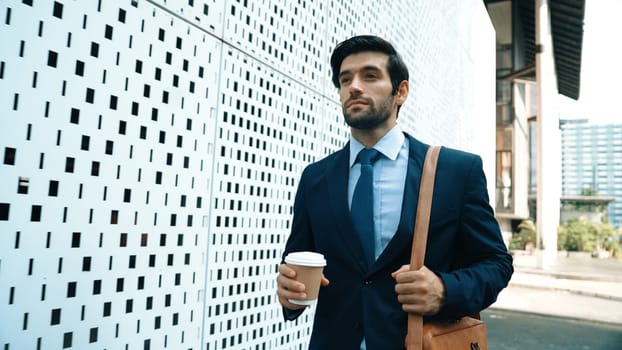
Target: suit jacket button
{"x":368,"y":282}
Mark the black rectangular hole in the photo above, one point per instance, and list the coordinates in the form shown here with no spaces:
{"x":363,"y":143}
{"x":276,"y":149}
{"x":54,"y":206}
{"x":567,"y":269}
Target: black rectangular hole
{"x":55,"y":319}
{"x":86,"y":263}
{"x":108,"y":32}
{"x":90,"y":95}
{"x":94,"y":168}
{"x":75,"y":240}
{"x":58,"y":9}
{"x":22,"y":185}
{"x":53,"y":188}
{"x":9,"y":155}
{"x":122,"y":127}
{"x":69,"y":164}
{"x":4,"y":211}
{"x":94,"y":49}
{"x":85,"y":143}
{"x":109,"y":147}
{"x":35,"y":213}
{"x":75,"y":116}
{"x":52,"y":58}
{"x":121,"y":17}
{"x":79,"y":68}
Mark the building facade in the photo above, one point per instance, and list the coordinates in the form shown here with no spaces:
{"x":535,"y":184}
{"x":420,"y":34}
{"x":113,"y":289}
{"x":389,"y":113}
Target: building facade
{"x":592,"y":162}
{"x":150,"y":153}
{"x":539,"y":47}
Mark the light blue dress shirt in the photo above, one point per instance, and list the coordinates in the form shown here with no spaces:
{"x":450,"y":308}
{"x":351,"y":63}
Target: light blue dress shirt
{"x":389,"y":181}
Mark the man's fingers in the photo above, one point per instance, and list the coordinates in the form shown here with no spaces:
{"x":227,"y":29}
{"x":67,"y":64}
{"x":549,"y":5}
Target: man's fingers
{"x":325,"y":281}
{"x":420,"y":292}
{"x":284,"y":300}
{"x":289,"y":288}
{"x":404,"y":268}
{"x":287,"y":271}
{"x":287,"y":291}
{"x":291,"y":294}
{"x":289,"y":284}
{"x":285,"y":295}
{"x":404,"y":275}
{"x":412,"y":287}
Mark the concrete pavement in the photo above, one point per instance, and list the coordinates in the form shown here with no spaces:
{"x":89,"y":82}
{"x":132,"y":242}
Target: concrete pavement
{"x":575,"y":286}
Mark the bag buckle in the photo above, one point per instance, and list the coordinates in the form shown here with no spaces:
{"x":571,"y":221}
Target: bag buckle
{"x":475,"y":346}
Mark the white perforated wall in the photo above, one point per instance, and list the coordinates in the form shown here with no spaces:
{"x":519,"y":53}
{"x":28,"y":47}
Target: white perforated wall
{"x":150,"y":152}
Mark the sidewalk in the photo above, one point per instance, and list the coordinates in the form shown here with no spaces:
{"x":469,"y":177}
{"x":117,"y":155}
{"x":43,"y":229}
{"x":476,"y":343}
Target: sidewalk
{"x":576,"y":286}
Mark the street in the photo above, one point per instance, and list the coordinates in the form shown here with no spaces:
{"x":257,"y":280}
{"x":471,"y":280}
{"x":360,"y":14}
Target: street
{"x":509,"y":330}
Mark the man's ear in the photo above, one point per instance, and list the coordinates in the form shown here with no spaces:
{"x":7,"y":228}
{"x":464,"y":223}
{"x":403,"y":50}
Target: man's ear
{"x":402,"y":92}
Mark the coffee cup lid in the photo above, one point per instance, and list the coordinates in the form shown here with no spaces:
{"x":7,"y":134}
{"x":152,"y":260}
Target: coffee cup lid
{"x":305,"y":259}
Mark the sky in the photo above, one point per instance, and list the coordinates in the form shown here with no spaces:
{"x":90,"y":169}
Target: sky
{"x":601,"y":65}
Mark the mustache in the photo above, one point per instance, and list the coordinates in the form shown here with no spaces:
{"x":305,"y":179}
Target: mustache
{"x":354,"y":98}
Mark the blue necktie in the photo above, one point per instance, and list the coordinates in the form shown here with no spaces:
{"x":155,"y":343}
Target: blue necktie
{"x":362,"y":209}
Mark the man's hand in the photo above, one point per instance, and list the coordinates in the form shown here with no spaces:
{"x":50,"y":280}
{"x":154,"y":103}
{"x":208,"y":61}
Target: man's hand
{"x":421,"y":292}
{"x":289,"y":288}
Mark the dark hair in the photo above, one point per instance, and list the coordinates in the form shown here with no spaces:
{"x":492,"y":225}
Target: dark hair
{"x":395,"y":65}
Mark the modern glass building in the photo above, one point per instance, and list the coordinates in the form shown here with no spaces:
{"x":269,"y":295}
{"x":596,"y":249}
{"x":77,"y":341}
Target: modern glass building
{"x":592,"y":161}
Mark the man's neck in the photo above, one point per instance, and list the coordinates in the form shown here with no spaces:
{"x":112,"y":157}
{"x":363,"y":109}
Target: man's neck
{"x":369,"y":137}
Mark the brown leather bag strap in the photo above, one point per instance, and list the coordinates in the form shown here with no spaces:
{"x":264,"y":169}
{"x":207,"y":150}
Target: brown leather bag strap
{"x":414,"y":337}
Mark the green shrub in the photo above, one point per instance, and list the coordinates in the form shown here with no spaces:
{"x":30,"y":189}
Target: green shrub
{"x":585,"y":236}
{"x":525,"y":237}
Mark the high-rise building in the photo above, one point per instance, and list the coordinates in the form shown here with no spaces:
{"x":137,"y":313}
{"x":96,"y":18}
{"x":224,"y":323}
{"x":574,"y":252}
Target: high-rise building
{"x":592,"y":162}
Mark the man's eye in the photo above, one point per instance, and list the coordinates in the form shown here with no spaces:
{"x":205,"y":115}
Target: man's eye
{"x":344,"y":81}
{"x":371,"y":76}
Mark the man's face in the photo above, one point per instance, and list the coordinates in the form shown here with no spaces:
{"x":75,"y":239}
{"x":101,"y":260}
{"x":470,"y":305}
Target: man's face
{"x":366,"y":91}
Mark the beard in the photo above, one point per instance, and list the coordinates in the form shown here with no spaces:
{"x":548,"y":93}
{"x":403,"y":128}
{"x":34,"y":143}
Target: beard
{"x":371,"y":118}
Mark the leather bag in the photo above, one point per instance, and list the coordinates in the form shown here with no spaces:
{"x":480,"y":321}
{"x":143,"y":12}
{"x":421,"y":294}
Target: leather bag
{"x":467,"y":333}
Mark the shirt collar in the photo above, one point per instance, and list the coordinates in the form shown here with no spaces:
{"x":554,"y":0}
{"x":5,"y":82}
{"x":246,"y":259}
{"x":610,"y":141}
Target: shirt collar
{"x":389,"y":145}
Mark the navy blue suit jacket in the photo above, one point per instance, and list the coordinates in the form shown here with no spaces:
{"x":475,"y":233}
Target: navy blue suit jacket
{"x":464,"y":248}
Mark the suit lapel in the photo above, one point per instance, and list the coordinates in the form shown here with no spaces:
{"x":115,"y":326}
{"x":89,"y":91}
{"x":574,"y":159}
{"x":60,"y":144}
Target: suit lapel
{"x":403,"y":237}
{"x":337,"y":183}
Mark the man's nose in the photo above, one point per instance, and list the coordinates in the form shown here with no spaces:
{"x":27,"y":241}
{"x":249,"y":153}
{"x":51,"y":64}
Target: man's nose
{"x":356,"y":86}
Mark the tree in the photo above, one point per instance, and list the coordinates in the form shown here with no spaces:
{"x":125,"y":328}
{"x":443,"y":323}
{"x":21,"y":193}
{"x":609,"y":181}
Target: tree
{"x":585,"y":236}
{"x":525,"y":238}
{"x":610,"y":240}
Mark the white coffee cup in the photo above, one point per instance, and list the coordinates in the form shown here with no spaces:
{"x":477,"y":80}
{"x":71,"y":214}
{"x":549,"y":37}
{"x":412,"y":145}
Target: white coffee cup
{"x":309,"y":267}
